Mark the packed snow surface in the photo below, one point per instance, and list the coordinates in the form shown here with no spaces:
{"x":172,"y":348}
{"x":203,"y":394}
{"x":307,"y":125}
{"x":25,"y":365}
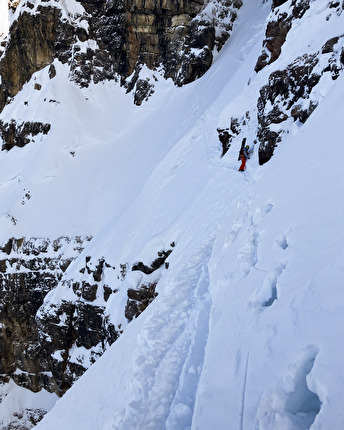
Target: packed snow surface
{"x":247,"y":331}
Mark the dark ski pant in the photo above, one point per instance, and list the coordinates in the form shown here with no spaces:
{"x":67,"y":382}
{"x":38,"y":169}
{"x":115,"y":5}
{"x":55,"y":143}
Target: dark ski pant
{"x":243,"y":163}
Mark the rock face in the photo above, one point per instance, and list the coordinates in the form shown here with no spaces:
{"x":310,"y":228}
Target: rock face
{"x":290,"y":94}
{"x":40,"y":31}
{"x":14,"y":134}
{"x":278,"y":27}
{"x":226,"y":135}
{"x":29,"y":270}
{"x":73,"y":327}
{"x":144,"y":293}
{"x":48,"y":341}
{"x":286,"y":95}
{"x":113,"y":39}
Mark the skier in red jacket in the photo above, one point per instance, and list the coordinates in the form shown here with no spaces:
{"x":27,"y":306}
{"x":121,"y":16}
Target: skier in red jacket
{"x":245,"y":154}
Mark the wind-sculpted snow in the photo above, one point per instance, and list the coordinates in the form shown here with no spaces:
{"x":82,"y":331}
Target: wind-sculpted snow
{"x":291,"y":404}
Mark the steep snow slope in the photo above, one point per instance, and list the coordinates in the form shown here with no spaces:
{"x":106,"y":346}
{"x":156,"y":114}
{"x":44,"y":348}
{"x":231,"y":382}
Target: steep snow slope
{"x":247,"y":329}
{"x":3,"y":17}
{"x":277,"y":290}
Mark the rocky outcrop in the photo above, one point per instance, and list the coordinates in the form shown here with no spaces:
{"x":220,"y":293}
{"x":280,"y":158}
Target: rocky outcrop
{"x":14,"y":134}
{"x":226,"y":135}
{"x":113,"y":39}
{"x":49,"y":340}
{"x":280,"y":22}
{"x":144,"y":293}
{"x":286,"y":95}
{"x":289,"y":94}
{"x":25,"y":419}
{"x":156,"y":264}
{"x":29,"y":270}
{"x":74,"y":329}
{"x":225,"y":138}
{"x":175,"y":35}
{"x":139,"y":299}
{"x":45,"y":37}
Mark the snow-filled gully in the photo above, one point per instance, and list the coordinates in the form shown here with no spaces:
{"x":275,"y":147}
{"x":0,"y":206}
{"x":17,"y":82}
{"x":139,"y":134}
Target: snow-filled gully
{"x":231,"y":341}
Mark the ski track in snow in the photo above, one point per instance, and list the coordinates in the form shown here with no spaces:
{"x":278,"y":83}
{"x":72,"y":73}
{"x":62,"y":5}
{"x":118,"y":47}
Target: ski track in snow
{"x":173,"y":338}
{"x":170,"y":350}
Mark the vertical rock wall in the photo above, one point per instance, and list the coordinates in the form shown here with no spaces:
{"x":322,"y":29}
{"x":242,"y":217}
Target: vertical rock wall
{"x":113,"y":39}
{"x":29,"y":270}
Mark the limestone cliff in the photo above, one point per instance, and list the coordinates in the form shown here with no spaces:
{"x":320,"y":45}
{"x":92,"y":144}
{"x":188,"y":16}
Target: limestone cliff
{"x":113,"y":39}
